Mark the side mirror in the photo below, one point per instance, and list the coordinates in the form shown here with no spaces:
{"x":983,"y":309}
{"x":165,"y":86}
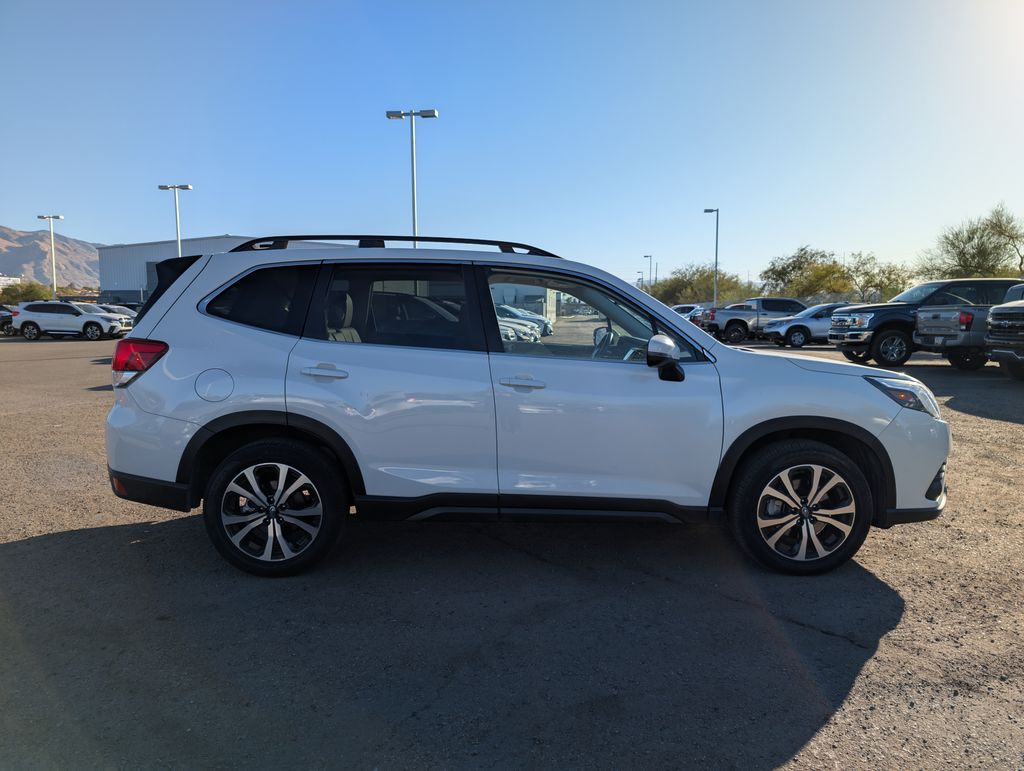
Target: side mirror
{"x":600,"y":334}
{"x":663,"y":352}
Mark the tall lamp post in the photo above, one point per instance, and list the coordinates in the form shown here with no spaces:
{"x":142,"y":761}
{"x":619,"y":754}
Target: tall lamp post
{"x":714,"y":302}
{"x":412,"y":115}
{"x":641,"y":274}
{"x":650,"y":269}
{"x":177,"y":212}
{"x":53,"y":251}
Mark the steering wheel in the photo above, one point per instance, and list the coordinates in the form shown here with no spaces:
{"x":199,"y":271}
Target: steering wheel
{"x":604,"y":344}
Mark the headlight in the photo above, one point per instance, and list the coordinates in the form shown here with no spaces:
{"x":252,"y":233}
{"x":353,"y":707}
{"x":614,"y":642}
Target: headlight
{"x":907,"y":393}
{"x":861,"y":320}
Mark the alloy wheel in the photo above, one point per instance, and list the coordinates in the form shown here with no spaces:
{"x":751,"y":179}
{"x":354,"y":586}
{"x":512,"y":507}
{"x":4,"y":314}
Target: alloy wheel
{"x":893,"y":348}
{"x":93,"y":332}
{"x":806,"y":512}
{"x":271,"y":512}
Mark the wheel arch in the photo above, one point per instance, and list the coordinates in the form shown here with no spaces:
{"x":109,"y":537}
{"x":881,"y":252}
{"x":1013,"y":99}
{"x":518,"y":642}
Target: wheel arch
{"x":222,"y":436}
{"x":856,"y":442}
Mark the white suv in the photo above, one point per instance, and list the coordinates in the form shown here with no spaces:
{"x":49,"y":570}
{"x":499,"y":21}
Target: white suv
{"x":291,"y":389}
{"x":65,"y":319}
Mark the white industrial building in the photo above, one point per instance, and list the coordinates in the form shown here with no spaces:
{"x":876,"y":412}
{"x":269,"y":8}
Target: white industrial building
{"x":128,"y":271}
{"x":6,"y":281}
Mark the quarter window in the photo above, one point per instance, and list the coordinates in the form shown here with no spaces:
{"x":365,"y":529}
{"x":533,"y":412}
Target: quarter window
{"x":274,"y":299}
{"x":420,"y":306}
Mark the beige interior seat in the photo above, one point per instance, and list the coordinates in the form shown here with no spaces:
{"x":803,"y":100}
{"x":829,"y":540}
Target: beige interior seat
{"x":339,"y":318}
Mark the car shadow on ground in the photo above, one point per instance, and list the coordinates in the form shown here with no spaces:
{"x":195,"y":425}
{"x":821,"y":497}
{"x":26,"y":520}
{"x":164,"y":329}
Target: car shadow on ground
{"x":985,"y":393}
{"x":425,"y":645}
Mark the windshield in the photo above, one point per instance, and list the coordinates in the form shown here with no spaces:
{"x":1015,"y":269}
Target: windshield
{"x":812,"y":310}
{"x":916,"y":294}
{"x":89,"y":308}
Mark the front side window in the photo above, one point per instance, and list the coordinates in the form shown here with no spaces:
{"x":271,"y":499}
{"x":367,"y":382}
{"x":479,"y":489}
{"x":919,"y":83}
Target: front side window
{"x":565,"y":317}
{"x":274,"y":299}
{"x":419,"y":306}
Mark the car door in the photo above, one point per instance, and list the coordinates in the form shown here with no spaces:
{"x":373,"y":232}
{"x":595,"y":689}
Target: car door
{"x":66,"y":319}
{"x":393,"y":359}
{"x":581,"y":416}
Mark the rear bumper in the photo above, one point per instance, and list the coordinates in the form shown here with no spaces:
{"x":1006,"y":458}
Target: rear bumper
{"x":940,"y":343}
{"x":152,"y":492}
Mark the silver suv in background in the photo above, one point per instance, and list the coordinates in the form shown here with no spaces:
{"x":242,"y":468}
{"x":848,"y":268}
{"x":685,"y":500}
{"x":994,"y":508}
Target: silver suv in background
{"x":808,"y":326}
{"x":67,"y":319}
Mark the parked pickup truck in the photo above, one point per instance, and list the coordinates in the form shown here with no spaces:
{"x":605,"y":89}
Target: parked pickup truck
{"x":735,"y":325}
{"x":1005,"y":340}
{"x":884,"y":331}
{"x":958,"y":331}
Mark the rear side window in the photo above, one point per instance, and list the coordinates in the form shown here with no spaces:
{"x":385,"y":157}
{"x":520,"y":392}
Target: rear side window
{"x":37,"y":308}
{"x":275,"y":299}
{"x":420,"y":306}
{"x":775,"y":306}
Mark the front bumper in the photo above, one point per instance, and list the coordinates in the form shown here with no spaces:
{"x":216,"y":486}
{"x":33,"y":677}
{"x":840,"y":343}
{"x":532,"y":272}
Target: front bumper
{"x":772,"y":334}
{"x":1011,"y":355}
{"x":850,"y":337}
{"x":918,"y":446}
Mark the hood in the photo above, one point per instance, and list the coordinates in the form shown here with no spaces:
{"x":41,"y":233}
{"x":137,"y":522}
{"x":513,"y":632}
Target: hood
{"x":813,"y":364}
{"x":871,"y":307}
{"x":111,"y":317}
{"x":783,"y":320}
{"x":1016,"y":305}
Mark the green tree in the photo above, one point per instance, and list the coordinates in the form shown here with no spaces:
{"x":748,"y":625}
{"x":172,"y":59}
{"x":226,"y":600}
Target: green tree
{"x":1005,"y":227}
{"x":872,"y":280}
{"x":25,"y":292}
{"x":696,"y":283}
{"x":804,"y":273}
{"x":968,"y":250}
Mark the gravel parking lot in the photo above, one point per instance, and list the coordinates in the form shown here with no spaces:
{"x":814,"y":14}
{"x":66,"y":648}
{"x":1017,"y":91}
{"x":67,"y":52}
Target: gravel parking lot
{"x":128,"y":642}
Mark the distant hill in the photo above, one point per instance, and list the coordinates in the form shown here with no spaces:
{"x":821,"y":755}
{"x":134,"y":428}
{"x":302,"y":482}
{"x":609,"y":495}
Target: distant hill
{"x":27,"y":254}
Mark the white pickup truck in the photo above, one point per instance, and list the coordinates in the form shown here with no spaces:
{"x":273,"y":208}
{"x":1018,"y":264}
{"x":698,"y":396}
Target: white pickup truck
{"x":736,"y":324}
{"x":957,"y":331}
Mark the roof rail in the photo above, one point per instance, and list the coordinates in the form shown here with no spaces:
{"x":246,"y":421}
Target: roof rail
{"x":379,"y":242}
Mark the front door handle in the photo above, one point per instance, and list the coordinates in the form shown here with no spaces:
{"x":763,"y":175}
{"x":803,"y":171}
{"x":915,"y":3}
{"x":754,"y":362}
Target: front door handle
{"x":521,"y":382}
{"x":325,"y":371}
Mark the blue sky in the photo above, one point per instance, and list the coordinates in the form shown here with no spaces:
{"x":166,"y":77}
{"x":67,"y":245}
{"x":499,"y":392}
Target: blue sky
{"x":597,"y":130}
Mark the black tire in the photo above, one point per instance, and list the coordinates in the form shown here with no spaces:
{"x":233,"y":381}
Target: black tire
{"x":326,"y":486}
{"x":735,"y":332}
{"x":748,"y":508}
{"x":1013,"y":369}
{"x":891,"y":348}
{"x":968,"y":360}
{"x":861,"y":357}
{"x":31,"y":331}
{"x":798,"y":337}
{"x":92,"y":331}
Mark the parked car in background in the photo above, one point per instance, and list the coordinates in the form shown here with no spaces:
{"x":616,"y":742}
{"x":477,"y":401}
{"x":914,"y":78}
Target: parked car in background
{"x":511,"y":313}
{"x":58,"y":318}
{"x":885,"y":331}
{"x":7,"y":314}
{"x":280,"y":423}
{"x":808,"y":326}
{"x":735,"y":323}
{"x":958,"y":331}
{"x":682,"y":310}
{"x":1005,"y":340}
{"x":694,"y":315}
{"x":121,"y":309}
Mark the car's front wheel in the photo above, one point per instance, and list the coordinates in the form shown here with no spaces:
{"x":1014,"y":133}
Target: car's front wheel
{"x":857,"y":357}
{"x":274,"y":507}
{"x":797,"y":337}
{"x":891,"y":348}
{"x":800,"y":507}
{"x":92,"y":331}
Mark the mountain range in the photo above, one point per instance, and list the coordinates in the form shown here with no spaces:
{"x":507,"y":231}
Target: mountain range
{"x":26,"y":253}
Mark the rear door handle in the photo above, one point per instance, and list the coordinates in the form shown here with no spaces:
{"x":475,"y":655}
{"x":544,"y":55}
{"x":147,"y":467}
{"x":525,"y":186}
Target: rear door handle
{"x":325,"y":371}
{"x":521,"y":382}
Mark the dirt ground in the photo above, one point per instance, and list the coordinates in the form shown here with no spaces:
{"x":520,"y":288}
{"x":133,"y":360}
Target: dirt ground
{"x":126,"y":640}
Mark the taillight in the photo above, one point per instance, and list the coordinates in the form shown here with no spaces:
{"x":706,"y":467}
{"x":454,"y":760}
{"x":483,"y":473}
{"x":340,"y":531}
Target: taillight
{"x":133,"y":356}
{"x":966,"y":319}
{"x":711,"y":315}
{"x":14,"y":313}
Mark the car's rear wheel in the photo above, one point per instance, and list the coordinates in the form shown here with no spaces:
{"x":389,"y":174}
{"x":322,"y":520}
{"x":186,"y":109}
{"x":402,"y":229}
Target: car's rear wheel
{"x":1013,"y":369}
{"x":92,"y":331}
{"x":30,"y":330}
{"x":274,"y":507}
{"x":797,"y":337}
{"x":891,"y":348}
{"x":800,"y":507}
{"x":735,"y":333}
{"x":968,"y":360}
{"x":858,"y":357}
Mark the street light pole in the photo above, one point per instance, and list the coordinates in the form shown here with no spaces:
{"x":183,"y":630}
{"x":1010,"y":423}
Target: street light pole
{"x":641,"y":274}
{"x":650,"y":269}
{"x":412,"y":115}
{"x":177,"y":212}
{"x":53,"y":250}
{"x":714,"y":302}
